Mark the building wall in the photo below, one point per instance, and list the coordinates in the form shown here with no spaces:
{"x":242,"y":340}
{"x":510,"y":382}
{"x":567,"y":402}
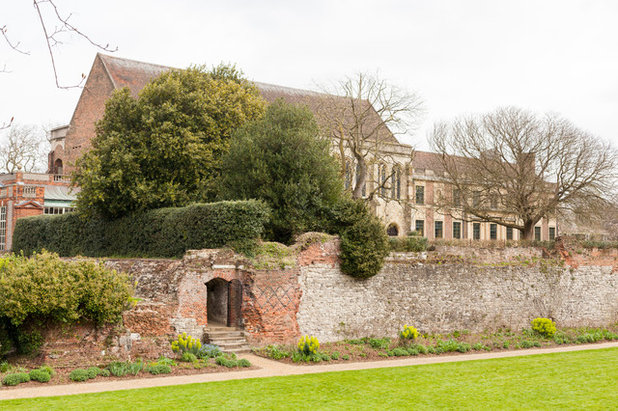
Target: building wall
{"x":89,"y":109}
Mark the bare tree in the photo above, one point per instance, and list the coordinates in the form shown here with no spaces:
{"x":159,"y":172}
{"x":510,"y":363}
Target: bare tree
{"x":512,"y":167}
{"x":362,"y":114}
{"x":23,"y":149}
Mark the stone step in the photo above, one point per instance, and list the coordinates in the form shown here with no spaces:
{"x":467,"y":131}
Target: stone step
{"x":217,"y":340}
{"x":229,"y":339}
{"x":229,"y":343}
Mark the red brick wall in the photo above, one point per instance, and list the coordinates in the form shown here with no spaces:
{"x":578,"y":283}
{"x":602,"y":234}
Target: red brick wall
{"x":89,"y":110}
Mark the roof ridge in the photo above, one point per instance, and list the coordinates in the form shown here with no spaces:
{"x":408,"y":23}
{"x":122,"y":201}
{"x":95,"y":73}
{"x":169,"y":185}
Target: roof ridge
{"x":107,"y":56}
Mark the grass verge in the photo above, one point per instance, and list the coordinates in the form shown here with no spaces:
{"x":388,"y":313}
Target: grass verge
{"x":583,"y":379}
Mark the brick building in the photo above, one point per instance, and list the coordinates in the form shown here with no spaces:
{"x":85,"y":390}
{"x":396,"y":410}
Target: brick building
{"x":29,"y":194}
{"x":407,"y":203}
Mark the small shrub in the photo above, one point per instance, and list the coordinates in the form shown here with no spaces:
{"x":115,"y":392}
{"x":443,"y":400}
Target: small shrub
{"x":345,"y":357}
{"x":165,"y":361}
{"x":15,"y":379}
{"x":335,"y":355}
{"x":276,"y":352}
{"x":208,"y":351}
{"x":421,"y":348}
{"x":413,"y":350}
{"x":244,"y":363}
{"x":79,"y":375}
{"x":325,"y":357}
{"x":226,"y":362}
{"x":156,"y":369}
{"x":561,"y":338}
{"x":399,"y":352}
{"x":408,"y":333}
{"x":431,"y":350}
{"x":4,"y":366}
{"x":544,"y":327}
{"x":451,"y":346}
{"x":379,"y":343}
{"x":186,"y":344}
{"x":506,"y":345}
{"x":529,"y":344}
{"x":39,"y":375}
{"x":308,"y":345}
{"x":105,"y":372}
{"x":118,"y":369}
{"x":188,"y":357}
{"x":48,"y":370}
{"x":94,"y":372}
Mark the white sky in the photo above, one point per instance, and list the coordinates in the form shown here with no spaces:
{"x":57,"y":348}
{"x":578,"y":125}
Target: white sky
{"x":460,"y":56}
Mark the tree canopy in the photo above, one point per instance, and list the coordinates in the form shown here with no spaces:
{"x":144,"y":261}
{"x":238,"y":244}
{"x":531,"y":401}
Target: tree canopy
{"x":164,"y":148}
{"x":514,"y":163}
{"x":282,"y":160}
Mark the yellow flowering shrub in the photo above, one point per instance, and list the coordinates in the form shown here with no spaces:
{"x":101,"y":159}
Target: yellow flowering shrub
{"x":186,"y":344}
{"x":408,"y":333}
{"x":308,"y":345}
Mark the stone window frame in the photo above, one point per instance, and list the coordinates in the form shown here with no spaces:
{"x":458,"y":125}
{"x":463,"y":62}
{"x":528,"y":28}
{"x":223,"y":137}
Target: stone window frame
{"x":537,"y":233}
{"x":552,"y":233}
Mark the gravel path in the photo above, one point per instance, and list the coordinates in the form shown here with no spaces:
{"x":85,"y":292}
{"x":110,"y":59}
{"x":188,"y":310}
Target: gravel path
{"x":269,"y":368}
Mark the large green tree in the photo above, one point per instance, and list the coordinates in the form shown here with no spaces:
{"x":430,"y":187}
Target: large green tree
{"x":164,"y":148}
{"x":282,"y":160}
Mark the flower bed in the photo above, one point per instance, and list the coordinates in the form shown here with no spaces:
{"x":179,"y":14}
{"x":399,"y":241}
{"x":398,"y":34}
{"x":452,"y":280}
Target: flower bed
{"x":457,"y":342}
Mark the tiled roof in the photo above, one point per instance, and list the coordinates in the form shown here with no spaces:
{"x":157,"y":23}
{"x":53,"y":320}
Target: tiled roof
{"x":136,"y":74}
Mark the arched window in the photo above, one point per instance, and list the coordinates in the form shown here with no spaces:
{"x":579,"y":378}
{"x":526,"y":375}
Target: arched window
{"x":392,"y":230}
{"x":396,"y":183}
{"x":58,"y":166}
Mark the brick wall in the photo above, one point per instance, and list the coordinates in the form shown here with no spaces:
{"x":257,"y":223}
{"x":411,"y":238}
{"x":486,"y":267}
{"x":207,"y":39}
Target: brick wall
{"x":89,"y":110}
{"x":314,"y":297}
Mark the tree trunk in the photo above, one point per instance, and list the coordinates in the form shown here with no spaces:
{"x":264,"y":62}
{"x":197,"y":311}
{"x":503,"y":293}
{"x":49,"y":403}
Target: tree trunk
{"x":528,"y":231}
{"x":361,"y":177}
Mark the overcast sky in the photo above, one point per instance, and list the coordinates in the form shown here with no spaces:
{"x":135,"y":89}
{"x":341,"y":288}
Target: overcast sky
{"x":460,"y":56}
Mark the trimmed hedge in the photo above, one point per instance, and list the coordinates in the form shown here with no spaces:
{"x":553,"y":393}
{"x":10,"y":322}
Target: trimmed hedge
{"x":164,"y":232}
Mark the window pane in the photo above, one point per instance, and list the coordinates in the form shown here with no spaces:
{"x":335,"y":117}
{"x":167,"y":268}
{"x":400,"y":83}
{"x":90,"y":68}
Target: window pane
{"x":537,"y":233}
{"x":509,"y":233}
{"x":438,"y":230}
{"x":476,"y":231}
{"x":420,"y":195}
{"x":420,"y":227}
{"x":456,"y":230}
{"x":493,"y":231}
{"x":552,"y":233}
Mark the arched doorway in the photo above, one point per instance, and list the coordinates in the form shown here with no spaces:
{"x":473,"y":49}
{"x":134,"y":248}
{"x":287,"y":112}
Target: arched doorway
{"x":223,"y":305}
{"x":392,"y":230}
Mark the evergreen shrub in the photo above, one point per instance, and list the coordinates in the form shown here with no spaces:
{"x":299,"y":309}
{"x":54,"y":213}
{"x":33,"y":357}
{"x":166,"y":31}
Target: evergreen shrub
{"x":40,"y":375}
{"x":15,"y":379}
{"x":364,"y":244}
{"x":163,"y":232}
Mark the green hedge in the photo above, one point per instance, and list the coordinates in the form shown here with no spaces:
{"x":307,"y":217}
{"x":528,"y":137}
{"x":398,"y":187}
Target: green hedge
{"x":164,"y":232}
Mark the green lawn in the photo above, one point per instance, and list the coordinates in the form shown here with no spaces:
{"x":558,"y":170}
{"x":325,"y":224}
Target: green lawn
{"x":584,"y":379}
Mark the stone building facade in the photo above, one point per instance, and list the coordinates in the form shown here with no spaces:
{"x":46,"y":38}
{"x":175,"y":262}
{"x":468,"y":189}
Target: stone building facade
{"x":405,"y":203}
